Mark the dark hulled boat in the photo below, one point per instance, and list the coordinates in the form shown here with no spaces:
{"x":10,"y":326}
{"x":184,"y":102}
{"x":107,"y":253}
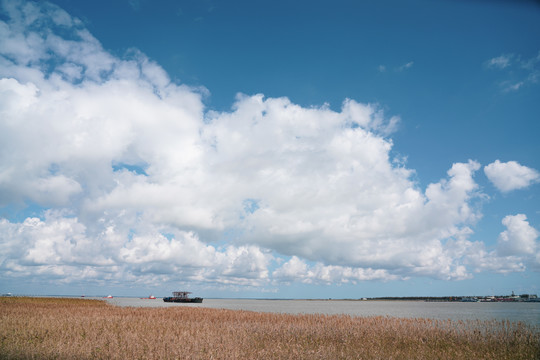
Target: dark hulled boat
{"x":182,"y":297}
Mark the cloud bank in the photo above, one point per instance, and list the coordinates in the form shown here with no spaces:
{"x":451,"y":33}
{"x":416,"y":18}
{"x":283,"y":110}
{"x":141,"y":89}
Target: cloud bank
{"x":140,"y":183}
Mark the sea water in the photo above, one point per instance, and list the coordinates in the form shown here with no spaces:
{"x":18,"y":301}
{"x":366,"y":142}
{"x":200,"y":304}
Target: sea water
{"x":526,"y":312}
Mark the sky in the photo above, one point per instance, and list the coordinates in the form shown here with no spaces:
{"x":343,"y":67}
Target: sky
{"x":306,"y":149}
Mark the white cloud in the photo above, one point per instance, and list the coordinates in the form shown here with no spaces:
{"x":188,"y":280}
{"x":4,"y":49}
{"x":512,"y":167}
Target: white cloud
{"x":296,"y":270}
{"x":383,"y":68}
{"x":63,"y":243}
{"x":313,"y":185}
{"x":510,"y":175}
{"x":516,"y":251}
{"x":519,"y":238}
{"x":514,"y":87}
{"x":405,"y":66}
{"x":520,"y":72}
{"x":500,"y":62}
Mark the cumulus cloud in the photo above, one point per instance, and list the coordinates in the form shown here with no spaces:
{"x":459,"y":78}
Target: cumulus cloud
{"x":297,"y":270}
{"x":517,"y":248}
{"x":141,"y":183}
{"x":511,"y":175}
{"x":519,"y":238}
{"x":35,"y":245}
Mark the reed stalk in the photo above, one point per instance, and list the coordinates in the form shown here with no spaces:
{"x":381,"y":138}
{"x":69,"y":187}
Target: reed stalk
{"x":58,"y":328}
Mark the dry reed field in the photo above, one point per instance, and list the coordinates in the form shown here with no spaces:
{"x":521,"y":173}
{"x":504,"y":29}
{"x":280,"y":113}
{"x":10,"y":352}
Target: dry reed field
{"x":57,"y":328}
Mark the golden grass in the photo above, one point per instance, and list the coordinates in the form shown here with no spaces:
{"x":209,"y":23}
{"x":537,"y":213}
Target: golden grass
{"x":54,"y":328}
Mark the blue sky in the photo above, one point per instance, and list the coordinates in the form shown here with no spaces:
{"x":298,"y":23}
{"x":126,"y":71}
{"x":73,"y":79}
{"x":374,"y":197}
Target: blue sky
{"x":270,"y":149}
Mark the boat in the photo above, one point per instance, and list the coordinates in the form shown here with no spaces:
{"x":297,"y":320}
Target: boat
{"x":182,"y":297}
{"x":151,"y":297}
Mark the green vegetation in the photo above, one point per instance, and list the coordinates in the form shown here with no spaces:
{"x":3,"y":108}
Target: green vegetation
{"x":53,"y":328}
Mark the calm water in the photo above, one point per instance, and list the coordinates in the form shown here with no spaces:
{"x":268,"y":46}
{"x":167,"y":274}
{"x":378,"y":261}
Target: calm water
{"x":524,"y":312}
